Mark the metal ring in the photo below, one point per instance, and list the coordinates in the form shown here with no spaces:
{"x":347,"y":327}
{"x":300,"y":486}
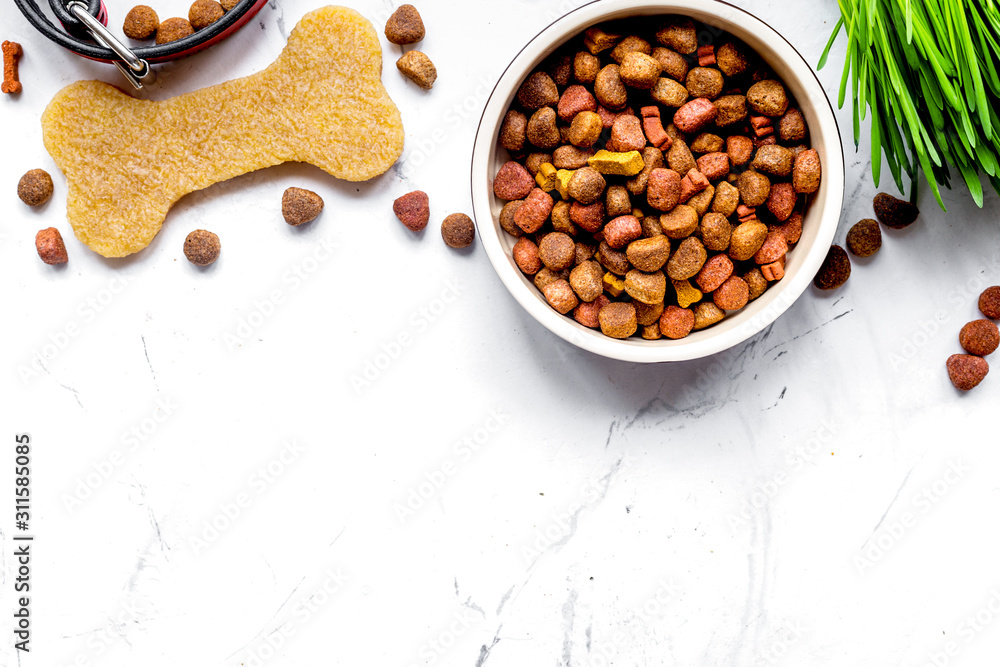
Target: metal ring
{"x":101,"y":34}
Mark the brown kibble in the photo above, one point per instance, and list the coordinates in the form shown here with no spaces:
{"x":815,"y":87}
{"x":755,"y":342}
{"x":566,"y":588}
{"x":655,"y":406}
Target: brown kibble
{"x":676,"y":322}
{"x":585,"y":67}
{"x":966,"y":370}
{"x":570,"y":157}
{"x":714,"y":165}
{"x":173,"y":29}
{"x":781,"y":201}
{"x":609,"y":88}
{"x":547,"y":276}
{"x":418,"y":68}
{"x":639,"y":70}
{"x":597,"y":39}
{"x":588,"y":313}
{"x":585,"y":129}
{"x":792,"y":229}
{"x":892,"y":212}
{"x":538,"y":91}
{"x":739,"y":149}
{"x":590,"y":218}
{"x":672,"y":63}
{"x":50,"y":246}
{"x":35,"y":187}
{"x":653,"y":159}
{"x":704,"y":82}
{"x":631,"y":44}
{"x":648,"y":288}
{"x":706,"y":314}
{"x":458,"y":230}
{"x":773,"y":249}
{"x":649,"y":254}
{"x":768,"y":97}
{"x":775,"y":160}
{"x":680,"y":222}
{"x":622,"y":230}
{"x":651,"y":331}
{"x":512,"y":182}
{"x":513,"y":131}
{"x":687,"y":261}
{"x":807,"y":171}
{"x":715,"y":231}
{"x":557,"y":251}
{"x":835,"y":271}
{"x":560,"y":296}
{"x":203,"y":13}
{"x":754,"y":188}
{"x":731,"y":59}
{"x":586,"y":185}
{"x":202,"y":247}
{"x":412,"y":209}
{"x":586,"y":279}
{"x":525,"y":254}
{"x":542,"y":130}
{"x":663,"y":189}
{"x":618,"y":320}
{"x":732,"y":110}
{"x":12,"y":52}
{"x":792,"y":126}
{"x":865,"y":238}
{"x":746,"y":240}
{"x":299,"y":206}
{"x":141,"y":22}
{"x":989,"y":302}
{"x":679,"y":157}
{"x":669,"y":93}
{"x":647,"y":314}
{"x":575,"y":99}
{"x":706,"y":142}
{"x":715,"y":272}
{"x":703,"y":200}
{"x":584,"y":251}
{"x":627,"y":134}
{"x":732,"y":294}
{"x":979,"y":337}
{"x":678,"y":33}
{"x":404,"y":26}
{"x":617,"y":201}
{"x":535,"y":210}
{"x":613,"y":260}
{"x":756,"y":282}
{"x":507,"y":218}
{"x":727,"y":198}
{"x":559,"y":66}
{"x":533,"y":163}
{"x":695,"y":115}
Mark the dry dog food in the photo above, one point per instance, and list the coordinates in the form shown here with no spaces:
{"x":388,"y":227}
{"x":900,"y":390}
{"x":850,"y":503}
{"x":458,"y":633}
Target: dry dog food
{"x":966,"y":370}
{"x":989,"y":302}
{"x":101,"y":139}
{"x":687,"y":167}
{"x":204,"y":13}
{"x":141,"y":22}
{"x":979,"y":337}
{"x":50,"y":246}
{"x":202,"y":247}
{"x":894,"y":213}
{"x":835,"y":270}
{"x":12,"y":52}
{"x":865,"y":238}
{"x":413,"y":210}
{"x":35,"y":187}
{"x":299,"y":206}
{"x":458,"y":230}
{"x":418,"y":68}
{"x":404,"y":26}
{"x":173,"y":29}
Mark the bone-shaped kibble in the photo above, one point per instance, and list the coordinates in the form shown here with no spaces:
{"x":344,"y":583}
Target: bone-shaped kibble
{"x":11,"y":53}
{"x":127,"y":161}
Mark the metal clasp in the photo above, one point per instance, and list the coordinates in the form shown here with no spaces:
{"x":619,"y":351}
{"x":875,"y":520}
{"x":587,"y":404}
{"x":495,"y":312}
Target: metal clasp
{"x":132,"y":67}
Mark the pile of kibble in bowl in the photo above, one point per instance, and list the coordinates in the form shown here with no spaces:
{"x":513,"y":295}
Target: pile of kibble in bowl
{"x":655,"y":182}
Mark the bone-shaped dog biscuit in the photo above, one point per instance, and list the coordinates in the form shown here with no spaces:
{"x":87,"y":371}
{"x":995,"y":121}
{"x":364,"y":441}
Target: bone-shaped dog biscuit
{"x":127,"y":161}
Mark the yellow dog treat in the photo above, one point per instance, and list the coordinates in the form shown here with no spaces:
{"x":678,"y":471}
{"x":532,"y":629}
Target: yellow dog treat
{"x":546,"y":177}
{"x":686,"y":293}
{"x":617,"y":164}
{"x":127,"y":161}
{"x":562,"y":181}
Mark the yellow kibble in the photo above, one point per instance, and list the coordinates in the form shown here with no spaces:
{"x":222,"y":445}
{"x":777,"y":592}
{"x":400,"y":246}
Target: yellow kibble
{"x":686,"y":293}
{"x":613,"y":285}
{"x":562,"y":181}
{"x":617,"y":164}
{"x":546,"y":177}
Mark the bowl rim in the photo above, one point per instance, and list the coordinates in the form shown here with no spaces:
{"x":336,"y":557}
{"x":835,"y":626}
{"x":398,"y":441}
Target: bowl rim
{"x":783,"y":293}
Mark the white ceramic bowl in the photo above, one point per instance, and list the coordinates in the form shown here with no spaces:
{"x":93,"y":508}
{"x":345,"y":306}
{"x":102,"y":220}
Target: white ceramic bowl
{"x":820,"y":221}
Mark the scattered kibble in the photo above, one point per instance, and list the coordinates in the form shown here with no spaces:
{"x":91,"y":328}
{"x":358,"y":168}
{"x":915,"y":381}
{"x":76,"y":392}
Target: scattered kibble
{"x":12,"y":52}
{"x":458,"y":230}
{"x":299,"y":206}
{"x":204,"y":13}
{"x":35,"y":187}
{"x":989,"y":302}
{"x":50,"y":246}
{"x":413,"y":210}
{"x":418,"y":68}
{"x":865,"y":238}
{"x":173,"y":29}
{"x":202,"y":247}
{"x":404,"y":26}
{"x":966,"y":370}
{"x":229,"y":4}
{"x":835,"y":271}
{"x":980,"y":337}
{"x":141,"y":22}
{"x":894,"y":213}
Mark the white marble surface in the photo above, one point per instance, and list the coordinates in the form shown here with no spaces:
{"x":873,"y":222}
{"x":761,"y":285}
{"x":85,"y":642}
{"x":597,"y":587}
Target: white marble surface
{"x":820,"y":495}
